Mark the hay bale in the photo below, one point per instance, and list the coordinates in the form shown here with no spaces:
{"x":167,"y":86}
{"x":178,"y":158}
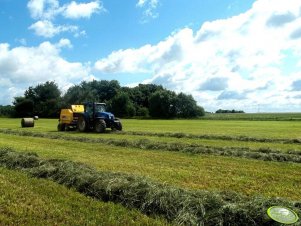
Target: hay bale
{"x":36,"y":117}
{"x":27,"y":122}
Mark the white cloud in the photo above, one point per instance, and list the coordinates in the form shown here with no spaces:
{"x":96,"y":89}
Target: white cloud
{"x":141,"y":3}
{"x":149,"y":9}
{"x":47,"y":29}
{"x":45,"y":11}
{"x":150,"y":3}
{"x":147,"y":58}
{"x":64,"y":43}
{"x":22,"y":67}
{"x":48,"y":9}
{"x":249,"y":51}
{"x":81,"y":10}
{"x":36,"y":8}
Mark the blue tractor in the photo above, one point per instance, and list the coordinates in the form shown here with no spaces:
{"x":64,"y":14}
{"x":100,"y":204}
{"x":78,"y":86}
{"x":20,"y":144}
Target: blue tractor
{"x":95,"y":118}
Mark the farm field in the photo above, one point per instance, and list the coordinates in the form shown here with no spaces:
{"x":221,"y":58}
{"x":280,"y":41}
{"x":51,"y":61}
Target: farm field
{"x":250,"y":158}
{"x":31,"y":201}
{"x":263,"y":129}
{"x":255,"y":116}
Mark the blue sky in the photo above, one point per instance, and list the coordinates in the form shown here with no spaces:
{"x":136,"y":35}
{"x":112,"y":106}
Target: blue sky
{"x":227,"y":54}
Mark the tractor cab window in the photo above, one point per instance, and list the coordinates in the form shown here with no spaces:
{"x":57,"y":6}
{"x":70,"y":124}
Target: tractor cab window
{"x":100,"y":108}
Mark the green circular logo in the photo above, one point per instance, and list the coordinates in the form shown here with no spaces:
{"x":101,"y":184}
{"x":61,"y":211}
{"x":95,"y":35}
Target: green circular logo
{"x":282,"y":215}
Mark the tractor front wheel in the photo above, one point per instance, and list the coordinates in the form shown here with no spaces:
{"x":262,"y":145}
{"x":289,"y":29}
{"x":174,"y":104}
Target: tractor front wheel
{"x":118,"y":125}
{"x":100,"y":126}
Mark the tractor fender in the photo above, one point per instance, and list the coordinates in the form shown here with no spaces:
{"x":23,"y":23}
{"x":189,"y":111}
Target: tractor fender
{"x":100,"y":118}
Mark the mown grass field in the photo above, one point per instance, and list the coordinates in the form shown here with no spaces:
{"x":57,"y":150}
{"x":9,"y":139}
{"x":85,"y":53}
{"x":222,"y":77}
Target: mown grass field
{"x":31,"y":201}
{"x":145,"y":148}
{"x":255,"y":116}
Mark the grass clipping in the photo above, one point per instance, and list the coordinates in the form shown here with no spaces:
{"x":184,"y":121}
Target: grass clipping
{"x":178,"y":206}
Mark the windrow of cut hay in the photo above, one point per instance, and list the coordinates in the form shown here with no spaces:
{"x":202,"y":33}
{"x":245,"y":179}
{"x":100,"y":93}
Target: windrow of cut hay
{"x":265,"y":154}
{"x":214,"y":137}
{"x":179,"y":206}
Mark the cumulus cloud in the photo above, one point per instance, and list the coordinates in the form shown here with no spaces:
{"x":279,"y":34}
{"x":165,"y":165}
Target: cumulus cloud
{"x":126,"y":61}
{"x":45,"y":11}
{"x":242,"y":58}
{"x":48,"y":9}
{"x":146,"y":58}
{"x":47,"y":29}
{"x":81,"y":10}
{"x":64,"y":42}
{"x":21,"y":67}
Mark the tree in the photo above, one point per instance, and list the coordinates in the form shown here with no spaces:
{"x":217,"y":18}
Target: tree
{"x":105,"y":90}
{"x":186,"y":106}
{"x":141,"y":93}
{"x":7,"y":110}
{"x":78,"y":94}
{"x":142,"y":112}
{"x":219,"y":111}
{"x":162,"y":104}
{"x":94,"y":91}
{"x":122,"y":106}
{"x":143,"y":100}
{"x":23,"y":107}
{"x":42,"y":100}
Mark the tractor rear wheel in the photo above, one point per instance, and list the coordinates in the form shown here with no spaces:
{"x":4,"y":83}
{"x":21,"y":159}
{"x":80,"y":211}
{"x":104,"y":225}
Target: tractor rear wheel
{"x":100,"y":126}
{"x":82,"y":124}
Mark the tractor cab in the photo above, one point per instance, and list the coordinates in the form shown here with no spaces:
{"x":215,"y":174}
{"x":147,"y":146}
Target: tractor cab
{"x":96,"y":110}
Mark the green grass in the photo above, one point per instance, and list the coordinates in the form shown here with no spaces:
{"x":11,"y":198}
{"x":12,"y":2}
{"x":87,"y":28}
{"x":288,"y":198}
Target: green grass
{"x":179,"y":206}
{"x":218,"y":143}
{"x":244,"y":176}
{"x":284,"y":147}
{"x":188,"y":171}
{"x":31,"y":201}
{"x":268,"y":129}
{"x":262,"y":153}
{"x":260,"y":129}
{"x":256,"y":116}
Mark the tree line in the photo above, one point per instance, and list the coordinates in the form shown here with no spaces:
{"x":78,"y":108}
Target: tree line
{"x":144,"y":100}
{"x":219,"y":111}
